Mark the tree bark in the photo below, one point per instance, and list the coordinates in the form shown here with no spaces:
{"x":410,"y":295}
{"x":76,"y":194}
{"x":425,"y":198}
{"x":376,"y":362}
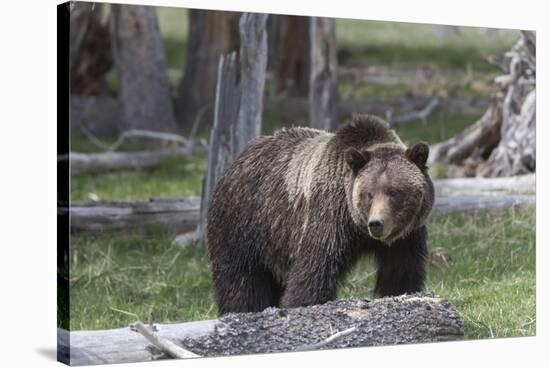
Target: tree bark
{"x":323,"y":86}
{"x":238,"y":106}
{"x":289,"y":54}
{"x":222,"y":143}
{"x":212,"y":33}
{"x":90,"y":49}
{"x":417,"y":318}
{"x":253,"y":61}
{"x":144,"y":89}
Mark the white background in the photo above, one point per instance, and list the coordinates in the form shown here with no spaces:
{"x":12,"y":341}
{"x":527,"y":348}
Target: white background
{"x":28,"y":180}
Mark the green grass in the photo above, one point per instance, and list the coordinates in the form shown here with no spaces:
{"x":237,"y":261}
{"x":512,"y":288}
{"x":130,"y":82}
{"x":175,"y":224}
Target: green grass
{"x":174,"y":178}
{"x":490,"y":277}
{"x":408,"y":43}
{"x":438,"y":127}
{"x":119,"y":278}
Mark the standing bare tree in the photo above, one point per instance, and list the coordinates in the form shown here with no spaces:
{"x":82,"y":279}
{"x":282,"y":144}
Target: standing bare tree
{"x":253,"y":62}
{"x":143,"y":85}
{"x":212,"y":33}
{"x":323,"y":88}
{"x":238,"y":106}
{"x":288,"y":49}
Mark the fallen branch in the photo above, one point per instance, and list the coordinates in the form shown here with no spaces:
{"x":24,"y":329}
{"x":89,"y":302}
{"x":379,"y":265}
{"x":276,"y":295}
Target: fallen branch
{"x":150,"y":135}
{"x":165,"y":345}
{"x":95,"y":163}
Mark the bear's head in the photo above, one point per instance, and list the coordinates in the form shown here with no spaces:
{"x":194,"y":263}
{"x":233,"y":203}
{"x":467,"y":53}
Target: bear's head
{"x":390,"y":192}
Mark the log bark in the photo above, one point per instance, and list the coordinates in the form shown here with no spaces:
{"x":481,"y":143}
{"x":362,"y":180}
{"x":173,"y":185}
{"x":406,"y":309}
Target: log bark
{"x":96,"y":163}
{"x":173,"y":215}
{"x":144,"y":89}
{"x":212,"y":34}
{"x":323,"y":82}
{"x":417,"y":318}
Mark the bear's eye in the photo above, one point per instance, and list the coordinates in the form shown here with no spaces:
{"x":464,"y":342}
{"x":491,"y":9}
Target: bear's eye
{"x":369,"y":195}
{"x":392,"y":193}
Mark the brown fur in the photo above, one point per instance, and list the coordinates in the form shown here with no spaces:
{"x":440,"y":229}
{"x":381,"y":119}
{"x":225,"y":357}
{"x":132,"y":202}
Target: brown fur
{"x":290,"y":217}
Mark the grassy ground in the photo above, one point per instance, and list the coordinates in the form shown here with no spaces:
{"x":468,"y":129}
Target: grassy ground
{"x":490,"y":276}
{"x":174,"y":178}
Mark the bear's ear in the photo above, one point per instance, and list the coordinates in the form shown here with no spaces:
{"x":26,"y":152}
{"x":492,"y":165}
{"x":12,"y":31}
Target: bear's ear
{"x":418,"y":154}
{"x":355,"y":159}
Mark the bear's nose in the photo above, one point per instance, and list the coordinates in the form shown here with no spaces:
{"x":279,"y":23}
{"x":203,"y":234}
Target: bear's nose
{"x":376,"y":227}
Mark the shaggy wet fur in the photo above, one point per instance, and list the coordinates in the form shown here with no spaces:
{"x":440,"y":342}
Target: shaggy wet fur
{"x":284,"y":225}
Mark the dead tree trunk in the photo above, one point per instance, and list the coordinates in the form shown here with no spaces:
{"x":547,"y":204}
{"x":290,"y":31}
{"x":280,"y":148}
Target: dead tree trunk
{"x":289,"y":54}
{"x":144,"y":89}
{"x":238,"y":107}
{"x":253,"y":62}
{"x":90,"y":49}
{"x":222,"y":136}
{"x":323,"y":88}
{"x":502,"y":142}
{"x":211,"y":34}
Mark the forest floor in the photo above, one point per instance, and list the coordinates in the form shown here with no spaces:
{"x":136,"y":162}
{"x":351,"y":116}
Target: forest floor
{"x":117,"y":278}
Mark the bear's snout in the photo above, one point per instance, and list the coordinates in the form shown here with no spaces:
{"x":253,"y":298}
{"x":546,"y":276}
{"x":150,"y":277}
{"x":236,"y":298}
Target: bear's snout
{"x":376,"y":227}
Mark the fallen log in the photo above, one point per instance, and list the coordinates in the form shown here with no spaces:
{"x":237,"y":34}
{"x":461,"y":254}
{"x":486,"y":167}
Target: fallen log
{"x":417,"y":318}
{"x":121,"y":345}
{"x":474,"y":204}
{"x":178,"y":216}
{"x":174,"y":215}
{"x":523,"y":185}
{"x":94,"y":163}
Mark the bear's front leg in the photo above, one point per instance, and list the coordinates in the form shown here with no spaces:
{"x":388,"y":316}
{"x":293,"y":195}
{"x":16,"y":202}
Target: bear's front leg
{"x":402,"y":265}
{"x":311,"y":281}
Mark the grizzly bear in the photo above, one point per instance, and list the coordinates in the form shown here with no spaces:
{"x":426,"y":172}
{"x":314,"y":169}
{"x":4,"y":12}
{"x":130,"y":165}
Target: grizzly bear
{"x":295,"y":211}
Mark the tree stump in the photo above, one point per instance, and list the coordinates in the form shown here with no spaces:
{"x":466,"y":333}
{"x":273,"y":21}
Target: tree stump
{"x":502,"y":142}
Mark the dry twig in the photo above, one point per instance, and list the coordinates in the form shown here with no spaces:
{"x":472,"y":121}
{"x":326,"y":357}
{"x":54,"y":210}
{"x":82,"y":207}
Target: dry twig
{"x":165,"y":345}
